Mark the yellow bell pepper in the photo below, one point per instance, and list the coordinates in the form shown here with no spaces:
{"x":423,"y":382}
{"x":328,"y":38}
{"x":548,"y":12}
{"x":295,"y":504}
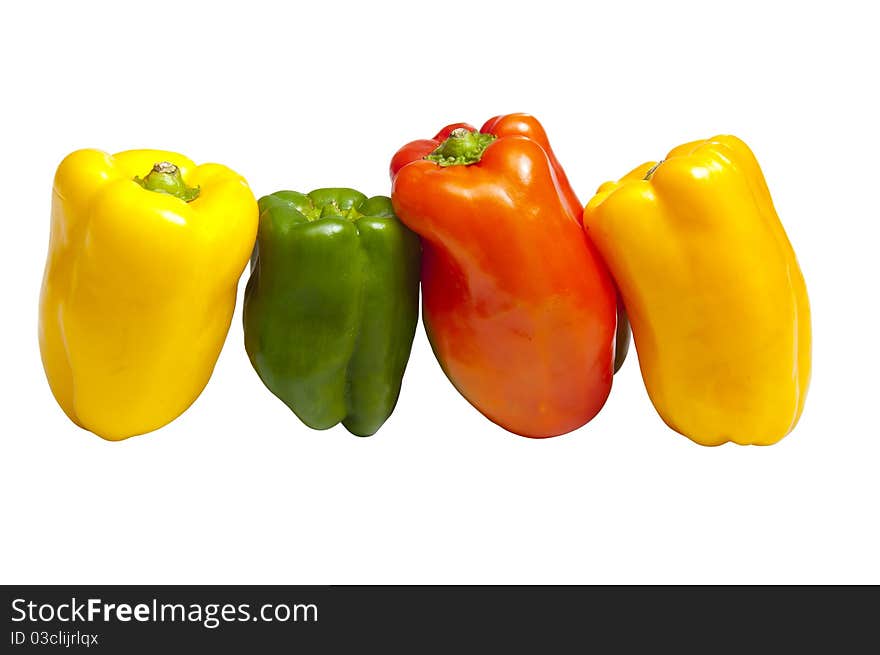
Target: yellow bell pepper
{"x":145,"y":253}
{"x":716,"y":299}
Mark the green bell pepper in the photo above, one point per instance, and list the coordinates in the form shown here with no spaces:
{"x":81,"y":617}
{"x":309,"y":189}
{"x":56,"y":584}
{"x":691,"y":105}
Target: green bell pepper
{"x":331,"y":306}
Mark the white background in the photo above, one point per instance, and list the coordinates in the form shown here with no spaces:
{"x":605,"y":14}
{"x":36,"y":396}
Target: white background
{"x":238,"y":491}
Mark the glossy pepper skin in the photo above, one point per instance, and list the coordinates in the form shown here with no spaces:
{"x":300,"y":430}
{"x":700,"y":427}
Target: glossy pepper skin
{"x":527,"y":126}
{"x":517,"y":304}
{"x":332,"y":304}
{"x":145,"y":253}
{"x":717,"y":301}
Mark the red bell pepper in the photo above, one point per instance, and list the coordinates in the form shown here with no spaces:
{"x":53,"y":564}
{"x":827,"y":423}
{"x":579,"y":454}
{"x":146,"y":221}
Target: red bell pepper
{"x":518,"y":306}
{"x":528,"y":126}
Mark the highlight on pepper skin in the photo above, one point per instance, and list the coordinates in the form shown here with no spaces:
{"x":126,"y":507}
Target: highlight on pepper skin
{"x":145,"y":253}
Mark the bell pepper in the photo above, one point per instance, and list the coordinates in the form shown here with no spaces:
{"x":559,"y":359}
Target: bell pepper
{"x":331,"y":306}
{"x":517,"y":304}
{"x":527,"y":126}
{"x":717,"y":301}
{"x":145,"y":253}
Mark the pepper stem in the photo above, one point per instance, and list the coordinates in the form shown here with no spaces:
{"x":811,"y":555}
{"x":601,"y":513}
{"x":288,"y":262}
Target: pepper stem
{"x":652,"y":170}
{"x":165,"y":177}
{"x":463,"y":147}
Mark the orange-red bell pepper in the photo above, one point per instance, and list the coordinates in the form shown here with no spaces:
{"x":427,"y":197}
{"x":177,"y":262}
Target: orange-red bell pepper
{"x":517,"y":303}
{"x":528,"y":126}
